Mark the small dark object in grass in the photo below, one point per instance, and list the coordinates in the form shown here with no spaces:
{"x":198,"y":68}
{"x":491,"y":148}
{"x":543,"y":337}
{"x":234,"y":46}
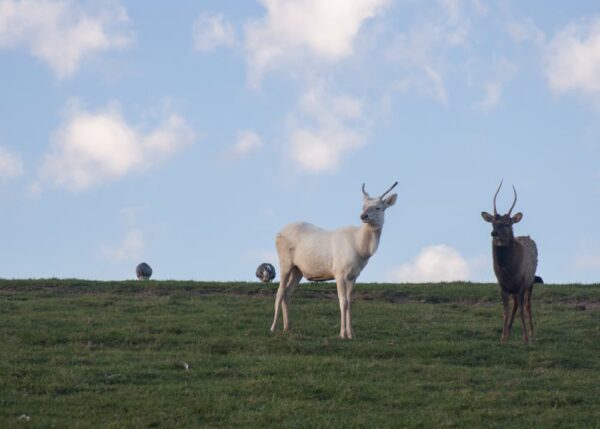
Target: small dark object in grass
{"x":143,"y":271}
{"x":265,"y":272}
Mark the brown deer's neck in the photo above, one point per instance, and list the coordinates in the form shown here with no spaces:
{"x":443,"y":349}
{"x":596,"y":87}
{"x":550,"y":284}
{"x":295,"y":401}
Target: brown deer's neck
{"x":368,"y":240}
{"x":507,"y":262}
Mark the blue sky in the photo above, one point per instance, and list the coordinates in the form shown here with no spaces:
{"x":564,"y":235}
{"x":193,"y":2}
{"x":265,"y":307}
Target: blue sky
{"x":186,"y":134}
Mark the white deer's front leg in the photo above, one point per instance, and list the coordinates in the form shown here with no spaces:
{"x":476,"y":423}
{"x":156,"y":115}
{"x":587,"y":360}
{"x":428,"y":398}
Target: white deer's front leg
{"x":341,"y":290}
{"x":348,"y":287}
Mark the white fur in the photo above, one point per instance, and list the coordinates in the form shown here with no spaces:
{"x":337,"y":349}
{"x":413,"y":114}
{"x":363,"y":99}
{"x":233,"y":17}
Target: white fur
{"x":318,"y":254}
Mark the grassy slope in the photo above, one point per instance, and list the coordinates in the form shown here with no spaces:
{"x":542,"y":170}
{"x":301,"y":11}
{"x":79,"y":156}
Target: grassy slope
{"x":102,"y":354}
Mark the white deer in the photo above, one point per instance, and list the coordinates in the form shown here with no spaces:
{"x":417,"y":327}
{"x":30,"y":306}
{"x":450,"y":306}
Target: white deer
{"x":321,"y":255}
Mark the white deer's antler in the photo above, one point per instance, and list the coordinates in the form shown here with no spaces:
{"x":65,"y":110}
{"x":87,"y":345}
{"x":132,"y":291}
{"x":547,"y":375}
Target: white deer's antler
{"x":384,"y":194}
{"x":365,"y":193}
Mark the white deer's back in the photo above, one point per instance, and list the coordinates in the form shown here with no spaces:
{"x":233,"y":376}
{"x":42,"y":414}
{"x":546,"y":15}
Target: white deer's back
{"x":317,"y":252}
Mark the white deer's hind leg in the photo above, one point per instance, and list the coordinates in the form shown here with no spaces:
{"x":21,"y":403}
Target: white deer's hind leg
{"x":294,"y":278}
{"x":341,"y":290}
{"x":280,"y":293}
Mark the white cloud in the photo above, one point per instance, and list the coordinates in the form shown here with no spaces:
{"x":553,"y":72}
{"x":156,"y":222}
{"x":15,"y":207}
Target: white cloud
{"x":131,"y":248}
{"x":300,"y":30}
{"x":324,"y":130}
{"x":491,"y":97}
{"x":34,"y":190}
{"x":502,"y":72}
{"x":11,"y":165}
{"x":521,"y":31}
{"x":60,"y":32}
{"x":211,"y":31}
{"x":433,"y":264}
{"x":95,"y":147}
{"x":423,"y":52}
{"x":415,"y":52}
{"x":247,"y":142}
{"x":573,"y":59}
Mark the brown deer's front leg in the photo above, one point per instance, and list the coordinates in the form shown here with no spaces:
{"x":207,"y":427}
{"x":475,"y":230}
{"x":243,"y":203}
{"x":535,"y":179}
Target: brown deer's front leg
{"x":505,"y":329}
{"x":514,"y":311}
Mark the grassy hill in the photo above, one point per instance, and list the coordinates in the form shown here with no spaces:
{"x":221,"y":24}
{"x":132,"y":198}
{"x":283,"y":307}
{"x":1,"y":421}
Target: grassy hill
{"x":77,"y":353}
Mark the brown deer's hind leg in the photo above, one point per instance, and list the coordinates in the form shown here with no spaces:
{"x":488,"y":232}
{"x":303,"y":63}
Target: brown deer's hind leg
{"x":505,"y":304}
{"x":528,"y":293}
{"x":522,"y":316}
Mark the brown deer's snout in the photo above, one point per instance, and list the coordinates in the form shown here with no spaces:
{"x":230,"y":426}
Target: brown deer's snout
{"x":494,"y":234}
{"x":364,"y":216}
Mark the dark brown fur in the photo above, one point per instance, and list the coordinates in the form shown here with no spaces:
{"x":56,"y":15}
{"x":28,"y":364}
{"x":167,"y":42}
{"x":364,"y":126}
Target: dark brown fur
{"x":513,"y":281}
{"x":515,"y":262}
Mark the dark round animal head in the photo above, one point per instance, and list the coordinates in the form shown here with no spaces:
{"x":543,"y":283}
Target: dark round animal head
{"x":265,"y":272}
{"x":143,"y":271}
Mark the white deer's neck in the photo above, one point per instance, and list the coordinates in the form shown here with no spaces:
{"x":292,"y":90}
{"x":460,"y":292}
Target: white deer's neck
{"x":368,"y":240}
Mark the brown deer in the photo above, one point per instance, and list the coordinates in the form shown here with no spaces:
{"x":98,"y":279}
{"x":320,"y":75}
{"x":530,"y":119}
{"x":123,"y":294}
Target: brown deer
{"x":515,"y":262}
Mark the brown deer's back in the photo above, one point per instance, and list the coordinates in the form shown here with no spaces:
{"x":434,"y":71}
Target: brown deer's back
{"x":530,"y":259}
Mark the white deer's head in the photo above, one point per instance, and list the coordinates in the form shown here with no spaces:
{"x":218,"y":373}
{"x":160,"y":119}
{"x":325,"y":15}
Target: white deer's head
{"x":374,"y":208}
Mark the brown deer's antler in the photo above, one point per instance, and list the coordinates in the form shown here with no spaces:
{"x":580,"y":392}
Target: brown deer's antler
{"x":495,"y":195}
{"x":515,"y":202}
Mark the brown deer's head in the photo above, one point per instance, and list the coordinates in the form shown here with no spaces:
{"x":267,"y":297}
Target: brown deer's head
{"x":502,"y":231}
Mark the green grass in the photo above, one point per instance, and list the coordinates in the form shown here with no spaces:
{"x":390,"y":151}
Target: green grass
{"x":111,"y":354}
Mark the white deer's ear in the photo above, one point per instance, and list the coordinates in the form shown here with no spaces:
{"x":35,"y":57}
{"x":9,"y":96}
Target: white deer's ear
{"x":517,"y":218}
{"x":487,"y":217}
{"x":391,"y":200}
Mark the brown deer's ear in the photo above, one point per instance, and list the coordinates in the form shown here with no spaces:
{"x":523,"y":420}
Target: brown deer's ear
{"x":487,"y":217}
{"x":517,"y":218}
